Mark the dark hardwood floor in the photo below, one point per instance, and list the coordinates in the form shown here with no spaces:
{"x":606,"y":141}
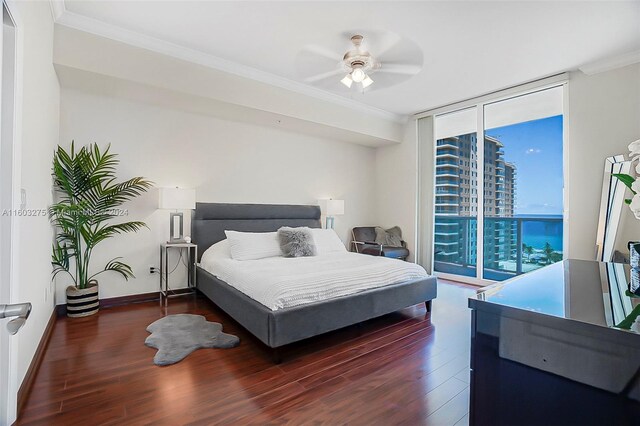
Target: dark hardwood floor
{"x":410,"y":367}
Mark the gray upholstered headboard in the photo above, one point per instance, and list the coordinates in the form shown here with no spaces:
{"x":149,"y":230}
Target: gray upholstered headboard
{"x":210,"y":220}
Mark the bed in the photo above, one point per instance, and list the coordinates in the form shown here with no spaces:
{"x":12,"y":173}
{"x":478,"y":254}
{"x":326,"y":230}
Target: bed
{"x":276,"y":328}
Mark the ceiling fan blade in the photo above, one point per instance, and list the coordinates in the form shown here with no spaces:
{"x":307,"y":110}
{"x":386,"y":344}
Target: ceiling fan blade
{"x":324,"y":52}
{"x":322,"y":76}
{"x":400,"y":69}
{"x":391,"y":40}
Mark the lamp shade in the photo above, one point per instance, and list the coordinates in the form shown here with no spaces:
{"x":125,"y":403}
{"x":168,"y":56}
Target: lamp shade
{"x":177,"y":199}
{"x":331,"y":207}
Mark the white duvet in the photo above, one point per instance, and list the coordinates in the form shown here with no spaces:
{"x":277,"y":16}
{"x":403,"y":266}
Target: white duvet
{"x":279,"y":282}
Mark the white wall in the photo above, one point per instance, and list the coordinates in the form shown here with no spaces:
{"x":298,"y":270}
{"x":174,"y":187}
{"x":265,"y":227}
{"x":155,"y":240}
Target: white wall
{"x":40,"y":119}
{"x":396,"y":180}
{"x":604,"y":117}
{"x":225,"y":161}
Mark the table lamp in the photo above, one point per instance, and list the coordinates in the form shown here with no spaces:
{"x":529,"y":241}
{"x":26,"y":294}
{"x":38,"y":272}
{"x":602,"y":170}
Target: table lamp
{"x":331,"y":208}
{"x":177,"y":199}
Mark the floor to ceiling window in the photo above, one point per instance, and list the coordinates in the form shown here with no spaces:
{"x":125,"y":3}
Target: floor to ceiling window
{"x":523,"y":183}
{"x":498,"y":204}
{"x":456,"y":199}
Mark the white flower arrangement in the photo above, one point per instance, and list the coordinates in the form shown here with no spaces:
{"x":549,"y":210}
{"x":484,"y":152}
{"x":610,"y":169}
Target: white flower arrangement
{"x":632,"y":183}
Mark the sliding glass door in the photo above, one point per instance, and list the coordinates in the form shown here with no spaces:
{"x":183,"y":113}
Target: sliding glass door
{"x":505,"y":217}
{"x":456,"y":200}
{"x":523,"y":183}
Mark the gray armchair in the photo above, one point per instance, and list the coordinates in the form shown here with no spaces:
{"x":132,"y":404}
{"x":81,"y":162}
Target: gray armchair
{"x":364,"y":241}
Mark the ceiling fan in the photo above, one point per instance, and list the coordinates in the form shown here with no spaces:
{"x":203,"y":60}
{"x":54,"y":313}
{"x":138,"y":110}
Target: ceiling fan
{"x":386,"y":55}
{"x":358,"y":62}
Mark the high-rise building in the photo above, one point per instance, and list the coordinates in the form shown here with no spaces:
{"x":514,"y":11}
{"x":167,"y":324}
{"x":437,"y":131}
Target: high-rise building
{"x":456,"y":202}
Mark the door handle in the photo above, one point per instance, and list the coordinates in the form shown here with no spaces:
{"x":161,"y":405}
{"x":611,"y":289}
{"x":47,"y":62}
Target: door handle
{"x":19,"y":310}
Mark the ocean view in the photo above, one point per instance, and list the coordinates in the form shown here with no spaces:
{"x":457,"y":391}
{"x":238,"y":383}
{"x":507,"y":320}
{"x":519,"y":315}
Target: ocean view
{"x":537,"y":234}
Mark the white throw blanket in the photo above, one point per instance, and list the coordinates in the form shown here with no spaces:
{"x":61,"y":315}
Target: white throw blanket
{"x":279,"y":282}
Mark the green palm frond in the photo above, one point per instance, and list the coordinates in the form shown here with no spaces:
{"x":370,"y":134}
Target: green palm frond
{"x":104,"y":232}
{"x":112,"y":196}
{"x":88,"y":195}
{"x":61,"y":259}
{"x":116,"y":266}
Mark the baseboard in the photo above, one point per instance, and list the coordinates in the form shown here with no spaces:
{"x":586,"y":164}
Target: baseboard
{"x":61,"y":310}
{"x":32,"y":371}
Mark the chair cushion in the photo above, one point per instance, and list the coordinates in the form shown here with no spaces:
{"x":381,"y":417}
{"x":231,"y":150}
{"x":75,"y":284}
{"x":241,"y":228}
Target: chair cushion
{"x":368,"y":249}
{"x":393,"y":252}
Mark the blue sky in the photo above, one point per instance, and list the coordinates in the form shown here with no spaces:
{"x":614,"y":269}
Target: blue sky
{"x":535,"y":147}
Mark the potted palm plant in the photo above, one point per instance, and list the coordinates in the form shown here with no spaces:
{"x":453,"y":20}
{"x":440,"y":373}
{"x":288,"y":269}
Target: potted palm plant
{"x":88,"y":200}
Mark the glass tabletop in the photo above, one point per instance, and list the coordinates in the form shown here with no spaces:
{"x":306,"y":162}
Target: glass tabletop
{"x":598,"y":293}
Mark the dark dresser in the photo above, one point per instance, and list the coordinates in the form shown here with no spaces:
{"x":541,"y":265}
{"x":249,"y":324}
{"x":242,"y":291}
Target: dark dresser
{"x":557,"y":346}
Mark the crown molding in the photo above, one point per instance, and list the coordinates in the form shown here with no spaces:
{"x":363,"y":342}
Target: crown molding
{"x":611,"y":63}
{"x":57,"y":9}
{"x":103,"y":29}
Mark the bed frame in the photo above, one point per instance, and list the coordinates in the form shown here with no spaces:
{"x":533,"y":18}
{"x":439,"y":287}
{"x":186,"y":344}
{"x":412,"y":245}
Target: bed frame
{"x":281,"y":327}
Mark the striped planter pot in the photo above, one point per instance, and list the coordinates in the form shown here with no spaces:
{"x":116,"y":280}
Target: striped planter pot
{"x":83,"y":302}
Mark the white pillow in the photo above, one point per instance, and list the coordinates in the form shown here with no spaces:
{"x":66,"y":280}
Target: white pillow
{"x":219,"y":250}
{"x":253,"y":245}
{"x":327,"y":241}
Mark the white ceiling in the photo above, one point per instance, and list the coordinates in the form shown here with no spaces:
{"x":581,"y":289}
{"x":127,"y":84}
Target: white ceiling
{"x":469,"y":48}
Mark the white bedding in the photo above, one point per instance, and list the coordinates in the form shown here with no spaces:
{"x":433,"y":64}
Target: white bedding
{"x":279,"y":282}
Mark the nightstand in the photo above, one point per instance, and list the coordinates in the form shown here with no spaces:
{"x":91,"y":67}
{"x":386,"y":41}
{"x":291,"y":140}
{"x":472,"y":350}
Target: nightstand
{"x":190,"y":261}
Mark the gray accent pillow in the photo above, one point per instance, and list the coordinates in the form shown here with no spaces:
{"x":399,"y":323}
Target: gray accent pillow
{"x":296,"y":242}
{"x":391,"y":237}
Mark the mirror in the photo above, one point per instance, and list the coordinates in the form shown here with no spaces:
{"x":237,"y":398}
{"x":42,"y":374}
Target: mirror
{"x":611,"y":205}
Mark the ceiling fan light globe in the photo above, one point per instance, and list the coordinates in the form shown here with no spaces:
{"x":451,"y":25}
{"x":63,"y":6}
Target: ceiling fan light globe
{"x":347,"y":81}
{"x":358,"y":75}
{"x":367,"y":82}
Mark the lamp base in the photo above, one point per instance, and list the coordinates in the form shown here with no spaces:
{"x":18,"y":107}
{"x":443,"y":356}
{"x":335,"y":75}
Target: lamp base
{"x":177,"y":241}
{"x":329,"y":222}
{"x":176,"y":237}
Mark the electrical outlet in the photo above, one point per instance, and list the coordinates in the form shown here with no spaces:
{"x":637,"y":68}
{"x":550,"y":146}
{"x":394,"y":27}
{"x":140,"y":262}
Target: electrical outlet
{"x":153,"y":270}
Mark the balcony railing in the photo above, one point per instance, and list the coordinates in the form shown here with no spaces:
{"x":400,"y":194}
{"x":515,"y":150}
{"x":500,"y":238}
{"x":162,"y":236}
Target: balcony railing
{"x":445,"y":172}
{"x":442,"y":181}
{"x":445,"y":142}
{"x":447,"y":191}
{"x":513,"y":245}
{"x":448,"y":162}
{"x":446,"y":152}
